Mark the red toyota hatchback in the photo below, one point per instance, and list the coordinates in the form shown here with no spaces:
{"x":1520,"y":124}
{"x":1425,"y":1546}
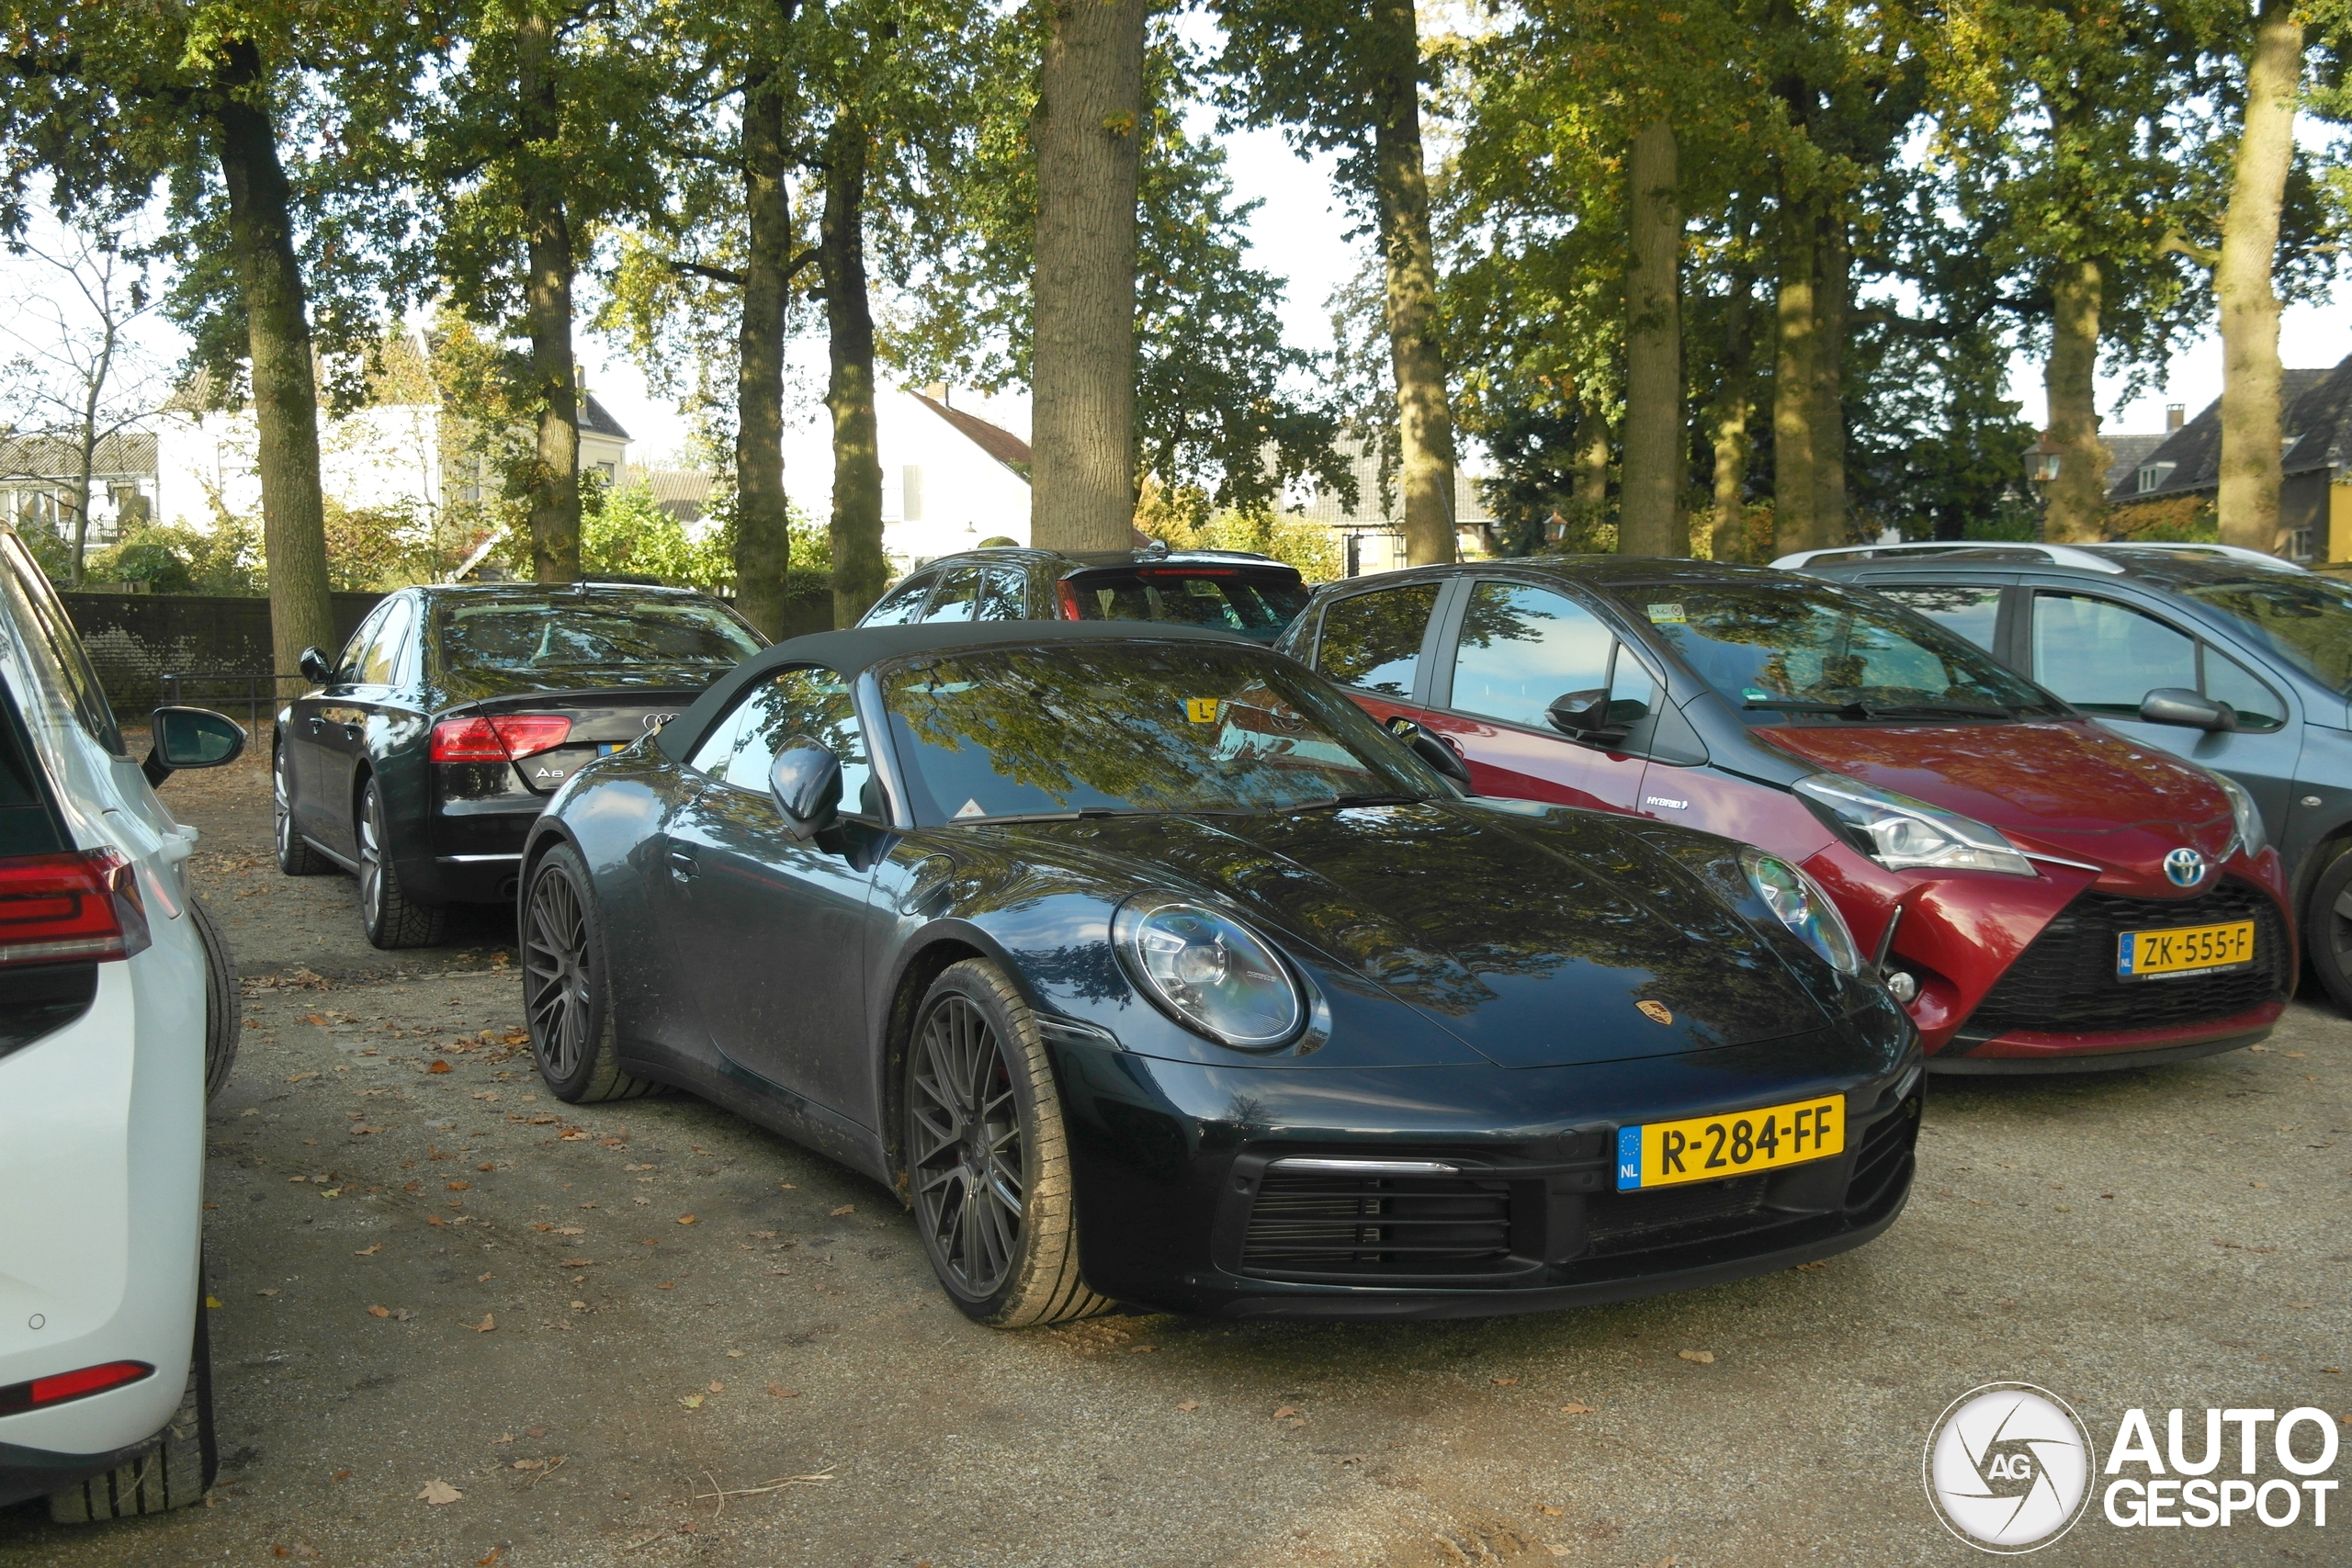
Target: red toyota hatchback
{"x":2039,"y":891}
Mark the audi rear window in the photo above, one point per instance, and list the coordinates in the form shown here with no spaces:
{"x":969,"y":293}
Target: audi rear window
{"x":606,"y":633}
{"x":1255,"y":602}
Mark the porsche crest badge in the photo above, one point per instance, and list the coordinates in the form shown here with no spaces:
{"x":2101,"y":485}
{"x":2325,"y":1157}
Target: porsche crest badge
{"x":1656,"y":1012}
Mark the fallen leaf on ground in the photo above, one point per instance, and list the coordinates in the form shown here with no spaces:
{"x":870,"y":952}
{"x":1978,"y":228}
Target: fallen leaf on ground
{"x":1548,"y":1511}
{"x":571,"y":1230}
{"x":541,"y":1226}
{"x":486,"y":1165}
{"x":433,"y":1219}
{"x":437,"y":1492}
{"x":784,"y":1392}
{"x":1705,"y":1357}
{"x":1575,"y":1407}
{"x":1188,"y":1404}
{"x":686,"y":1219}
{"x":577,"y":1263}
{"x":781,"y":1186}
{"x":493,"y":1558}
{"x":488,"y":1325}
{"x":298,"y":1078}
{"x":503,"y":1437}
{"x":1285,"y":1411}
{"x":535,"y":1431}
{"x":482,"y":1278}
{"x":692,"y":1402}
{"x":438,"y":1067}
{"x":379,"y":1311}
{"x":458,"y":1186}
{"x":667,"y":1285}
{"x":269,"y":1293}
{"x":845,"y":1209}
{"x":340,"y":1475}
{"x":719,"y":1388}
{"x":529,"y":1464}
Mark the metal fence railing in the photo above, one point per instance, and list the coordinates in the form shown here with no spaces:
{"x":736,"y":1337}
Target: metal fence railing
{"x":218,"y":687}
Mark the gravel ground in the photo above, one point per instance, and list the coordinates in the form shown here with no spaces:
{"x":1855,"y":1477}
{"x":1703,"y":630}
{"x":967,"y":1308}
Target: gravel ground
{"x":650,"y":1334}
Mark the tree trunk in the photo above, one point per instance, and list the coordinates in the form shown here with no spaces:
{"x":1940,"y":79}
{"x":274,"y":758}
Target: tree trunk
{"x":1833,"y":284}
{"x":1590,"y":470}
{"x":1793,"y":481}
{"x":2250,"y":375}
{"x":1651,"y":504}
{"x":2077,"y":500}
{"x":1734,"y":405}
{"x":1416,"y":357}
{"x":547,"y":296}
{"x":762,"y":520}
{"x":1089,"y":127}
{"x":285,"y":382}
{"x":860,"y":571}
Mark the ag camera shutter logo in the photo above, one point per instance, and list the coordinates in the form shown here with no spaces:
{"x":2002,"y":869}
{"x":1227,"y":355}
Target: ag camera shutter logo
{"x":2007,"y":1468}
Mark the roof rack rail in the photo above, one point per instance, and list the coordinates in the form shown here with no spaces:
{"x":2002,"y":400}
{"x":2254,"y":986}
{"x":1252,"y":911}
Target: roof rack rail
{"x":2229,"y":552}
{"x":2056,"y":554}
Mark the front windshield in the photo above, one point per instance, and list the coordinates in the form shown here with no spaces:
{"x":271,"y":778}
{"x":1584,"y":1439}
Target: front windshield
{"x":1131,"y":726}
{"x":589,"y":632}
{"x":2305,"y":621}
{"x":1811,"y":653}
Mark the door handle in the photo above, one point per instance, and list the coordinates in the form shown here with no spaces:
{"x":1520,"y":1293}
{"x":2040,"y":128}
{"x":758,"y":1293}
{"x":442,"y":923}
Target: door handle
{"x":681,"y":866}
{"x":316,"y":725}
{"x":351,"y":732}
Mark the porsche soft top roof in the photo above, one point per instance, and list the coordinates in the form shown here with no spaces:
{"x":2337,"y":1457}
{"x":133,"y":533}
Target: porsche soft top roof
{"x":859,"y":649}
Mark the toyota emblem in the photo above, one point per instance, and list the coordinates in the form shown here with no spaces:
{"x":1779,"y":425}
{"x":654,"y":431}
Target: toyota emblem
{"x":2185,"y":867}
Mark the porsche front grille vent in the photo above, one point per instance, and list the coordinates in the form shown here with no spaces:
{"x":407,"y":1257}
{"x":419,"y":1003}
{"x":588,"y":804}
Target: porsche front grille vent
{"x":1357,"y":1229}
{"x":2064,"y":983}
{"x":1635,"y":1221}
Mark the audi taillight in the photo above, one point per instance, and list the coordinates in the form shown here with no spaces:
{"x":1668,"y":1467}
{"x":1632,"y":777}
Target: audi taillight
{"x":67,"y":908}
{"x":18,"y":1398}
{"x":501,"y":738}
{"x":1068,"y":597}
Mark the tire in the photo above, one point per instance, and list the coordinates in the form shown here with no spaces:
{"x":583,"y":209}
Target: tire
{"x":221,"y":1022}
{"x":567,"y":986}
{"x":172,"y":1470}
{"x":391,"y":918}
{"x":294,"y":857}
{"x":2327,"y":929}
{"x":987,"y":1159}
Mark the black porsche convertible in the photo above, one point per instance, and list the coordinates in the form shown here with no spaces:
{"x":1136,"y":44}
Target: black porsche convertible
{"x":1147,"y":969}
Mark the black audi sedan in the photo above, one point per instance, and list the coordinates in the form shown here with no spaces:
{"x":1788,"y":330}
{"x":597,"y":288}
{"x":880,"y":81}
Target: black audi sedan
{"x":423,"y":754}
{"x":1146,"y":969}
{"x":1231,"y":590}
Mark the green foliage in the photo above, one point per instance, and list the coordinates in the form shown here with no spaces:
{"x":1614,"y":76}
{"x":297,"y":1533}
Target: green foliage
{"x":225,"y":559}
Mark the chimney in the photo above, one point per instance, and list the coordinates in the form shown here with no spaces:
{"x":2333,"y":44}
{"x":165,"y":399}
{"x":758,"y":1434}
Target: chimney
{"x":937,"y":393}
{"x":2175,"y":413}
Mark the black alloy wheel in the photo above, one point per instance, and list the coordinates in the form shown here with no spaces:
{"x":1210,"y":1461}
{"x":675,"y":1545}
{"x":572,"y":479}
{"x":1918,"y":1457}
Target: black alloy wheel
{"x":987,"y":1161}
{"x":565,"y":1002}
{"x":389,"y":916}
{"x":2327,"y":929}
{"x":294,"y":857}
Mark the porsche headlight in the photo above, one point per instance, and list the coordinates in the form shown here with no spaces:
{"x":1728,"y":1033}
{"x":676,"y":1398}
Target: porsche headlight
{"x":1901,"y":834}
{"x":1210,"y":972}
{"x":1800,"y":903}
{"x":2244,"y":813}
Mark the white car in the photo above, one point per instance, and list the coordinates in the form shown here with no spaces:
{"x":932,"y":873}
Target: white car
{"x":117,"y":1013}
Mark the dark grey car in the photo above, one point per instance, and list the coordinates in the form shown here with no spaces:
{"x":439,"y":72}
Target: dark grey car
{"x":1229,"y":591}
{"x":2232,"y":660}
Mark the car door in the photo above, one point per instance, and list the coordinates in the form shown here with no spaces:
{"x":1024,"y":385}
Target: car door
{"x":318,"y":760}
{"x":772,"y":933}
{"x":339,"y":735}
{"x":1372,"y":642}
{"x":1512,"y":649}
{"x":2103,"y":655}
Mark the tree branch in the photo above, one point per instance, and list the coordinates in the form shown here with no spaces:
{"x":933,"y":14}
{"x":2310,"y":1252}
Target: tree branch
{"x":2177,"y":243}
{"x":716,"y":274}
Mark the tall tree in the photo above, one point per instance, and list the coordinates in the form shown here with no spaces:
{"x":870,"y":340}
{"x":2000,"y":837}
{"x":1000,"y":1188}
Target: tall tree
{"x":1343,"y":77}
{"x":1650,"y":521}
{"x":108,"y":101}
{"x":2251,"y":472}
{"x":1088,"y":112}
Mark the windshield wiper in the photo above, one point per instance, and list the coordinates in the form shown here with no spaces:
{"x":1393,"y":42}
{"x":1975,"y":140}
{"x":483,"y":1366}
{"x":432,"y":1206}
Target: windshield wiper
{"x":1341,"y":802}
{"x":1859,"y":709}
{"x":1970,"y":710}
{"x":1806,"y":704}
{"x":1082,"y":812}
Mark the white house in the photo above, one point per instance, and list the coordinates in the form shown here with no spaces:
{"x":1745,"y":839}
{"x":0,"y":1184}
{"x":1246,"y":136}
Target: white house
{"x":950,"y":479}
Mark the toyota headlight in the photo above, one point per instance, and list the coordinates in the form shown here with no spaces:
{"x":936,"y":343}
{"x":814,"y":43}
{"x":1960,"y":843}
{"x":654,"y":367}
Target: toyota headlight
{"x":1210,"y":972}
{"x":2244,"y":813}
{"x":1901,"y":834}
{"x":1800,"y":903}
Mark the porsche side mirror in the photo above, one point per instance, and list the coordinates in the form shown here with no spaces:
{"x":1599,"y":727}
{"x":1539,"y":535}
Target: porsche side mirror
{"x":2178,"y":704}
{"x":1434,"y":749}
{"x":1583,"y":715}
{"x":805,"y":779}
{"x":314,"y":667}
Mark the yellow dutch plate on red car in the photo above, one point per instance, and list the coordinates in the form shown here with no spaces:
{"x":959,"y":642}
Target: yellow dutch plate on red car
{"x":2183,"y":950}
{"x":1709,"y":1148}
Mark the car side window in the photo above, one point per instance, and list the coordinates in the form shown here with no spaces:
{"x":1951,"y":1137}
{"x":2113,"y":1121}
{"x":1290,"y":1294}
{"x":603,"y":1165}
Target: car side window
{"x":1523,"y":647}
{"x":380,"y":661}
{"x":956,"y":599}
{"x":355,"y":652}
{"x":810,"y":701}
{"x":1374,"y":640}
{"x":2227,"y":680}
{"x":67,"y":664}
{"x":1004,"y":595}
{"x":901,"y":605}
{"x":2104,"y":657}
{"x":1969,"y":609}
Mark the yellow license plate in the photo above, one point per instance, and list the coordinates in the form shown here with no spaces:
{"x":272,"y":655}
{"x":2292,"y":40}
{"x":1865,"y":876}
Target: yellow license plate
{"x":1708,"y":1148}
{"x":2183,"y":950}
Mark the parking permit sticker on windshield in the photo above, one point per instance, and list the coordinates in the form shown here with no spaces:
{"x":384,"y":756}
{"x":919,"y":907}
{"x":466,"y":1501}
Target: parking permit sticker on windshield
{"x":969,"y":809}
{"x":1668,"y":616}
{"x":1201,"y":710}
